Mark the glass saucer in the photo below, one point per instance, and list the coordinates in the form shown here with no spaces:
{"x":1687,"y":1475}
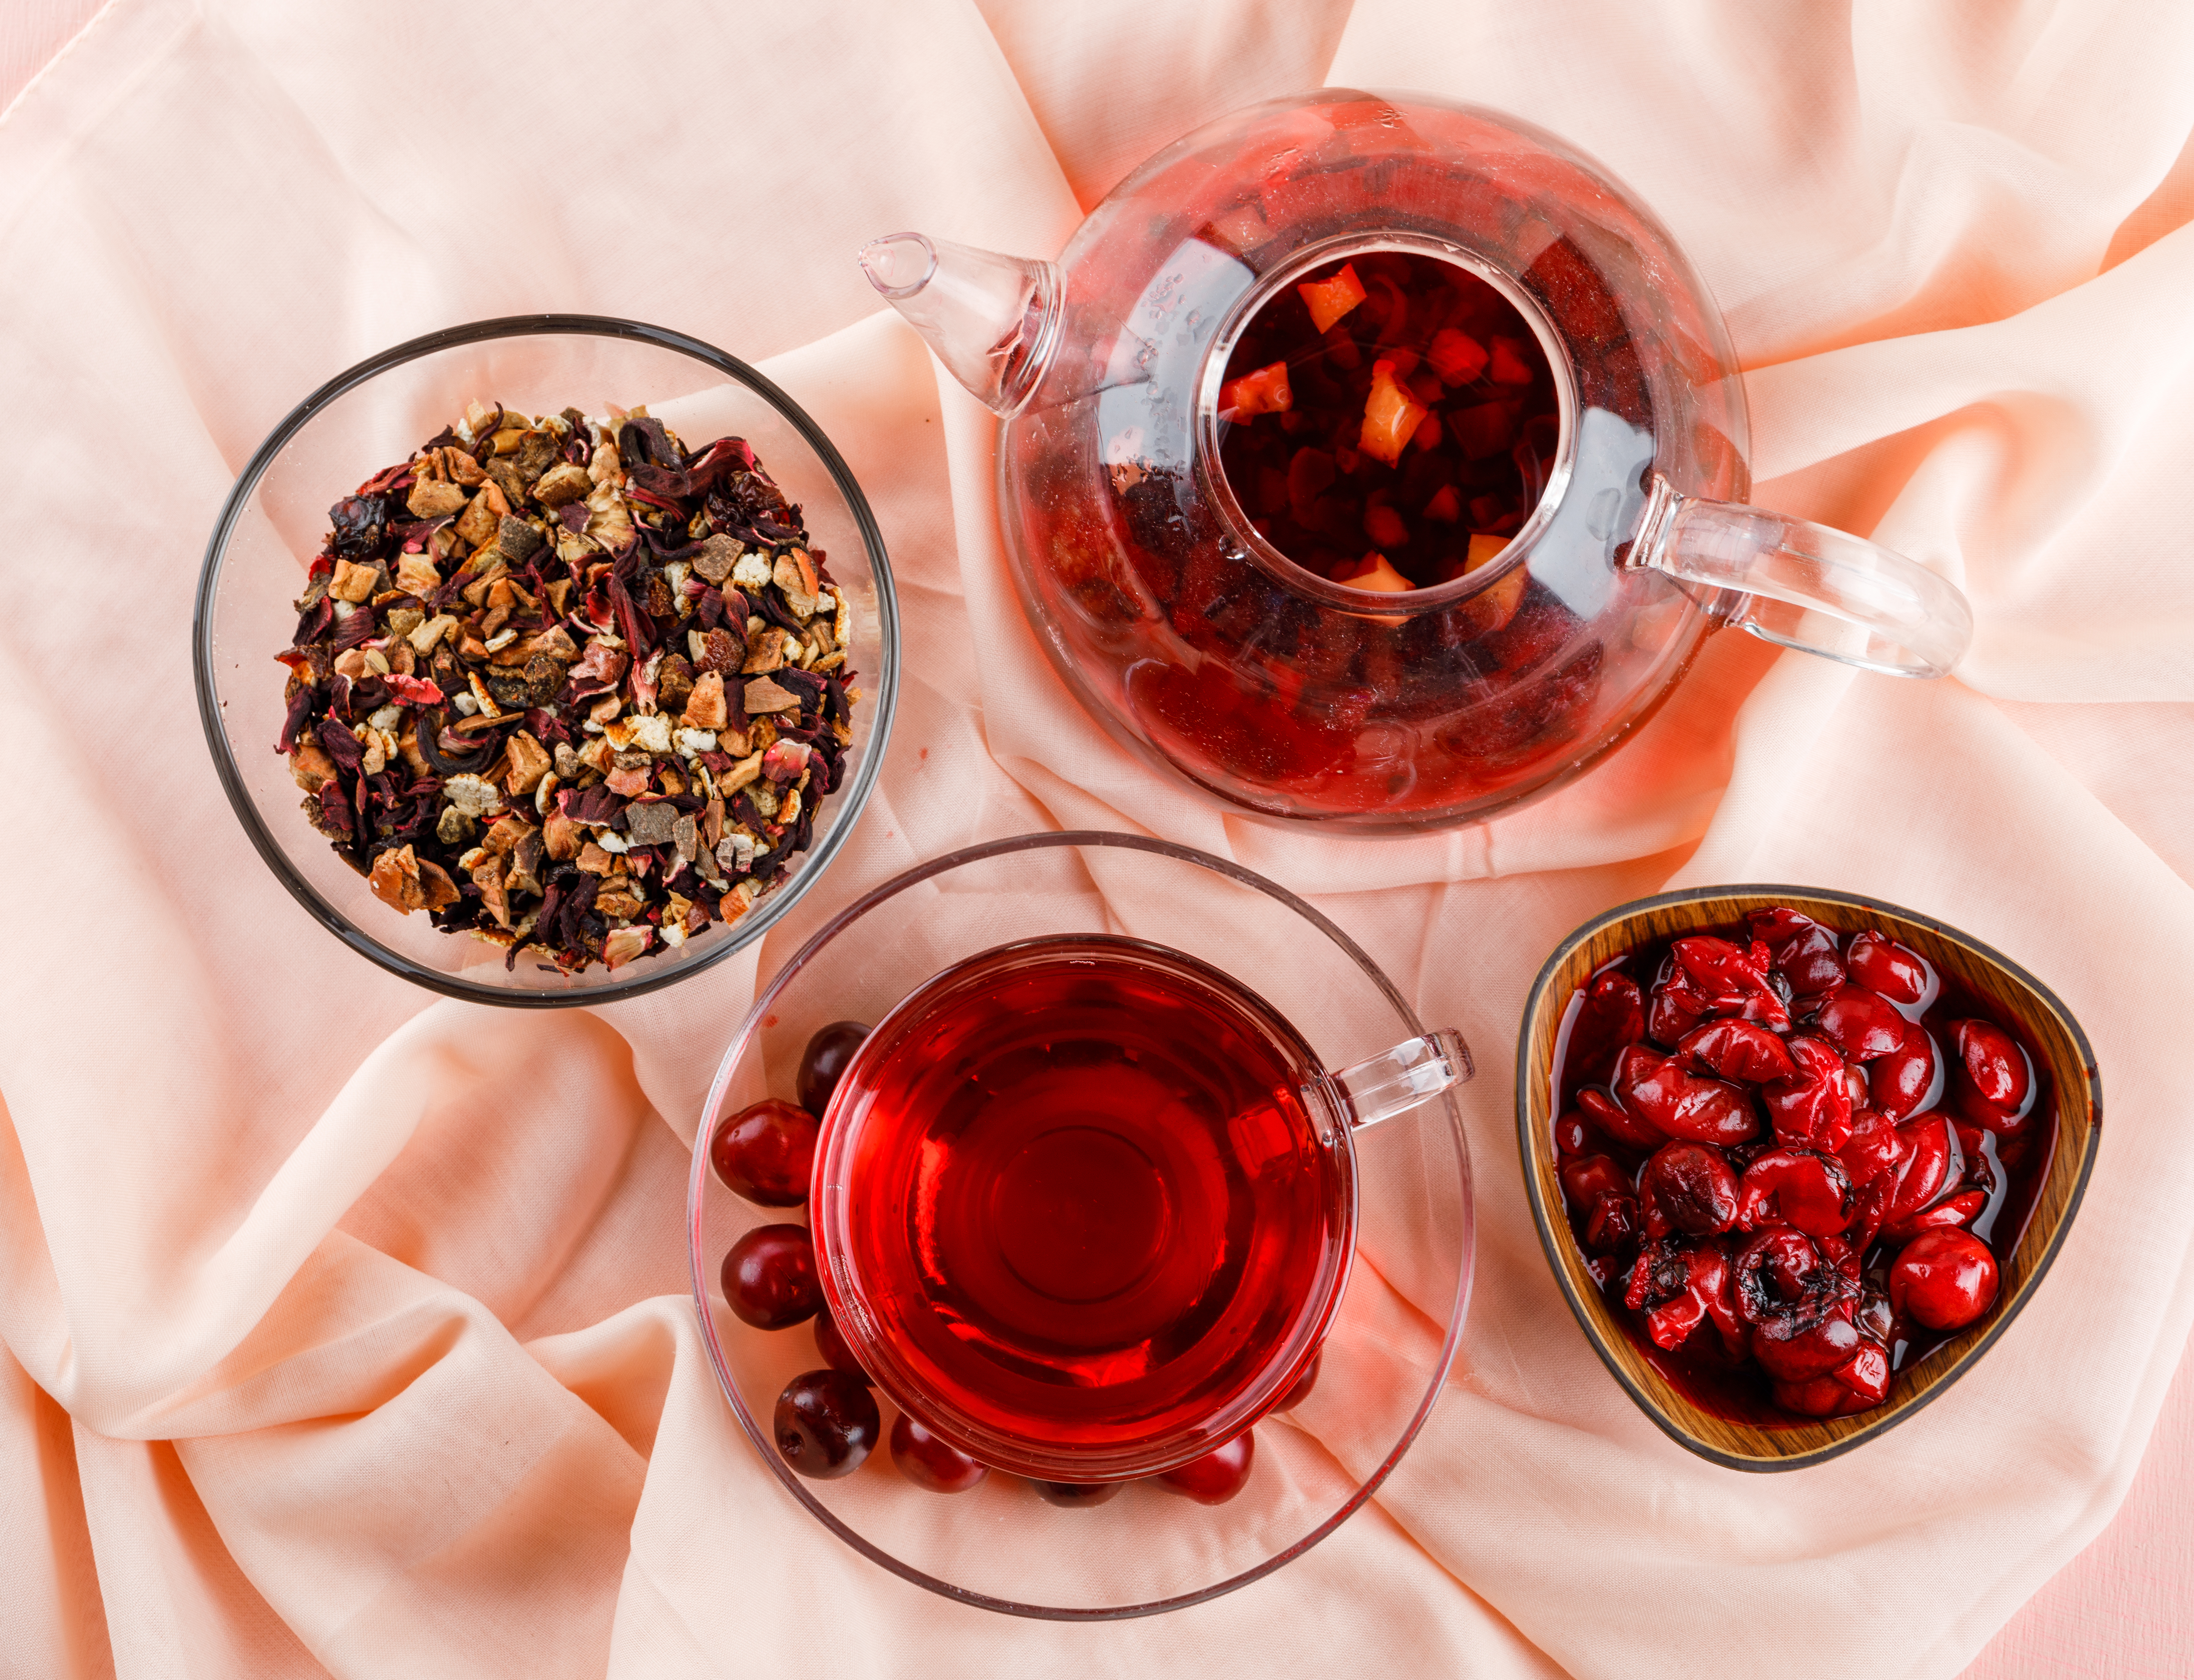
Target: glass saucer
{"x":1385,"y":1360}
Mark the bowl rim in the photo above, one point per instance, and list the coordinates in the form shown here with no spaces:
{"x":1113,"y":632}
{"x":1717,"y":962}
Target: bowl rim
{"x":851,"y":800}
{"x":1549,"y":1238}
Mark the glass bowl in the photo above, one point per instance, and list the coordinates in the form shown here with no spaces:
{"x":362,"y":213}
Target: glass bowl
{"x":1393,"y":1335}
{"x":378,"y":412}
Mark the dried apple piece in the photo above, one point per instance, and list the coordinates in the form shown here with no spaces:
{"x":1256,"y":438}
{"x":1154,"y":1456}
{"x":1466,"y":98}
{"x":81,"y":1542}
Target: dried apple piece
{"x":1391,"y":415}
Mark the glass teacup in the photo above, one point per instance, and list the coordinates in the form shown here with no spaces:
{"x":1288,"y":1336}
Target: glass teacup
{"x":1322,"y":1452}
{"x":1084,"y":1205}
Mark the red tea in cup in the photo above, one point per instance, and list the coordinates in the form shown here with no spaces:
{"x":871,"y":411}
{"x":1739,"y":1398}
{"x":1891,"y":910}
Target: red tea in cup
{"x":1085,"y":1206}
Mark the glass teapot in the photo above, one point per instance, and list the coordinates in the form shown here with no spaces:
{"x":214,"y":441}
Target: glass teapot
{"x":1373,"y":701}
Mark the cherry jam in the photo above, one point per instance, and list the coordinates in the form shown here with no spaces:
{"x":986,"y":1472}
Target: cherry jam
{"x":1388,"y":407}
{"x":1819,"y":987}
{"x":1085,"y":1205}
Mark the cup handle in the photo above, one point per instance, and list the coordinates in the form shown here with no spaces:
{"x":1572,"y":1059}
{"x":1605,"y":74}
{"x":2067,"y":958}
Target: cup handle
{"x":1397,"y":1080}
{"x":1807,"y":587}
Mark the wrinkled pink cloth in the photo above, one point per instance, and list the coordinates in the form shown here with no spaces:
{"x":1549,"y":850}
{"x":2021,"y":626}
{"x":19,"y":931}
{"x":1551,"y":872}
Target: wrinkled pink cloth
{"x":346,"y":1332}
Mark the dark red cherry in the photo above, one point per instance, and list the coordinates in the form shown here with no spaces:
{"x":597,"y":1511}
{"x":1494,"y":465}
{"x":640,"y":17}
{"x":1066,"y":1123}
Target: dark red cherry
{"x":1993,"y":1061}
{"x":930,"y":1462}
{"x":1604,"y":1113}
{"x":826,"y":1423}
{"x":1074,"y":1495}
{"x":1872,"y":1150}
{"x":1738,"y":1049}
{"x":1813,"y":1352}
{"x":1304,"y":1385}
{"x":1657,"y":1091}
{"x":1572,"y":1135}
{"x":1926,"y":1150}
{"x":1879,"y":964}
{"x":769,"y":1277}
{"x":766,"y":1153}
{"x":1218,"y":1476}
{"x":832,"y":1346}
{"x":1688,"y":1187}
{"x":824,"y":1060}
{"x":1946,"y":1279}
{"x":1899,"y":1082}
{"x":1860,"y":1024}
{"x":1611,"y":1015}
{"x":1808,"y":960}
{"x":1589,"y":1177}
{"x":1803,"y":1189}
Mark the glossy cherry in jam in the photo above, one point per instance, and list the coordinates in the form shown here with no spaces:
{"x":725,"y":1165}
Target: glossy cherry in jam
{"x":1992,"y":1063}
{"x":1218,"y":1476}
{"x":1883,"y":966}
{"x":824,"y":1060}
{"x":826,"y":1423}
{"x":1688,"y":1187}
{"x":766,"y":1152}
{"x":929,"y":1461}
{"x":1943,"y":1279}
{"x":1903,"y":1081}
{"x":769,"y":1277}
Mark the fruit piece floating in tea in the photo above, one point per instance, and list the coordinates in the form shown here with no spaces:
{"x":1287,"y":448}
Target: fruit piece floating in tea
{"x":1793,"y":1158}
{"x":1389,"y":422}
{"x":569,"y":686}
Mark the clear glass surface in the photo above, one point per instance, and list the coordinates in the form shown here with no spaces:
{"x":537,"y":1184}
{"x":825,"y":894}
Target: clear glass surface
{"x":1207,"y":650}
{"x":1392,"y":1338}
{"x":377,"y":413}
{"x":1817,"y":589}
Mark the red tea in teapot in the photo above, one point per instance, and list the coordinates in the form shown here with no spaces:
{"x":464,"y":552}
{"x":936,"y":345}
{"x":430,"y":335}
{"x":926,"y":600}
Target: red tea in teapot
{"x":1091,"y":1206}
{"x":1388,"y":421}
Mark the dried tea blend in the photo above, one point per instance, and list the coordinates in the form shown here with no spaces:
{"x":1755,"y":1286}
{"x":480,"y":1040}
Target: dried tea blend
{"x":569,"y":686}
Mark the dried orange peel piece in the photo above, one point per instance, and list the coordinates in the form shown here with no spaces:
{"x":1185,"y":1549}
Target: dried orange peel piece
{"x":1329,"y":300}
{"x":1266,"y":390}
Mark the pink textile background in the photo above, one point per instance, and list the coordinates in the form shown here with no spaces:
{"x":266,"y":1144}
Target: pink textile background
{"x":346,"y":1330}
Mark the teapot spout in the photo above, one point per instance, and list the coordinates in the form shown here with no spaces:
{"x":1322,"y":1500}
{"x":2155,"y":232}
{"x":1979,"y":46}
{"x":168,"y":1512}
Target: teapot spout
{"x":993,"y":321}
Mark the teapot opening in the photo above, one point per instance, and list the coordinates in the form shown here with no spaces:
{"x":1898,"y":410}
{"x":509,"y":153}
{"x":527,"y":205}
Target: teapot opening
{"x":1386,"y":420}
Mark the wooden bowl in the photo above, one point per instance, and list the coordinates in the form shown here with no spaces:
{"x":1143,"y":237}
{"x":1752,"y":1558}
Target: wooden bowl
{"x":2054,"y":1038}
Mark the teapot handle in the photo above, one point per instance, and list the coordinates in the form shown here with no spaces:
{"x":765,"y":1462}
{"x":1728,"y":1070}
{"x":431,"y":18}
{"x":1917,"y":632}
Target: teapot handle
{"x":1807,"y":586}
